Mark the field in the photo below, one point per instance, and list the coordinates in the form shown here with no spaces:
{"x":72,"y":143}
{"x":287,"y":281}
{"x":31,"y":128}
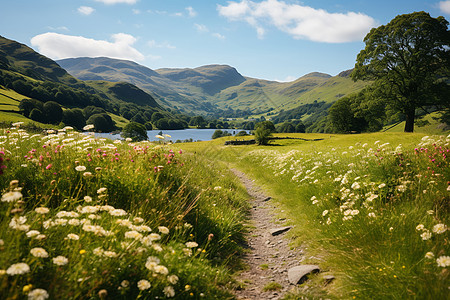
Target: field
{"x":84,"y":218}
{"x":371,"y":209}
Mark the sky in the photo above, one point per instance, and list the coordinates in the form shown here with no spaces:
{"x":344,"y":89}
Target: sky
{"x":266,"y":39}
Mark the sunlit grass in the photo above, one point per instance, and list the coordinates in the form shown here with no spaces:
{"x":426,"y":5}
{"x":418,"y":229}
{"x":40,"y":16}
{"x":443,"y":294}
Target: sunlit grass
{"x":358,"y":203}
{"x":85,"y":218}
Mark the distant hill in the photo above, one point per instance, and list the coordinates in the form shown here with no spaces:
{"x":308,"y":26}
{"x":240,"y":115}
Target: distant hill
{"x":29,"y":75}
{"x":215,"y":89}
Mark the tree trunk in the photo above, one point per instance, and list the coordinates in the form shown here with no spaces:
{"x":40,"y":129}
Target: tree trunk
{"x":409,"y":124}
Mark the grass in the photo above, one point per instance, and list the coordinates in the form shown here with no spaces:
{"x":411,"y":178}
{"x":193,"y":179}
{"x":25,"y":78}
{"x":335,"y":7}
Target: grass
{"x":81,"y":218}
{"x":264,"y":266}
{"x":272,"y":286}
{"x":356,"y":203}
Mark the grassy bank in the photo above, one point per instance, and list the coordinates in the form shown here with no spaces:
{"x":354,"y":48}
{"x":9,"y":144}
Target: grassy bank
{"x":81,"y":218}
{"x":370,"y":209}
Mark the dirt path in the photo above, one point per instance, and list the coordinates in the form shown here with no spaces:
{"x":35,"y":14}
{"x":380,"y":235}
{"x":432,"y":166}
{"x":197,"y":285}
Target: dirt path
{"x":269,"y":257}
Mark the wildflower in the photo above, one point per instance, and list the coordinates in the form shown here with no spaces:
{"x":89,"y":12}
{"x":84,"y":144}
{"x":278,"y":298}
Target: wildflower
{"x":443,"y":261}
{"x":429,"y":255}
{"x":216,"y":188}
{"x":163,"y":229}
{"x":372,"y":215}
{"x":27,"y":288}
{"x":420,"y":227}
{"x":73,"y":236}
{"x":39,"y":252}
{"x":143,"y":285}
{"x":42,"y":210}
{"x":315,"y":202}
{"x":382,"y":185}
{"x":32,"y":233}
{"x":11,"y":196}
{"x":60,"y":260}
{"x":325,"y":212}
{"x":355,"y":185}
{"x":87,"y":174}
{"x":88,"y":127}
{"x":187,"y":251}
{"x":138,"y":220}
{"x":98,"y":251}
{"x":133,"y":234}
{"x":157,"y":248}
{"x":173,"y":279}
{"x":102,"y":190}
{"x":18,"y":269}
{"x":159,"y":137}
{"x":110,"y":254}
{"x":439,"y":228}
{"x":125,"y":284}
{"x":169,"y":291}
{"x":118,"y":212}
{"x":82,"y":251}
{"x":426,"y":235}
{"x":80,"y":168}
{"x":191,"y":244}
{"x":74,"y":222}
{"x":38,"y":294}
{"x":430,"y":212}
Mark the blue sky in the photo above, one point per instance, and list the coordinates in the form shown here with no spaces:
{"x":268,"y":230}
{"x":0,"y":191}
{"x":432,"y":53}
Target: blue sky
{"x":267,"y":39}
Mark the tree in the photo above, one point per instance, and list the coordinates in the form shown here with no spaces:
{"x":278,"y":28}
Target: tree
{"x":136,"y":131}
{"x":74,"y":117}
{"x":286,"y":127}
{"x":53,"y":112}
{"x":263,"y":132}
{"x":300,"y":127}
{"x":102,"y":122}
{"x":408,"y":59}
{"x":219,"y":133}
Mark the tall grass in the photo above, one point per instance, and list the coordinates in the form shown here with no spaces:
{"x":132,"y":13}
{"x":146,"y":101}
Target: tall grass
{"x":371,"y":209}
{"x":83,"y":218}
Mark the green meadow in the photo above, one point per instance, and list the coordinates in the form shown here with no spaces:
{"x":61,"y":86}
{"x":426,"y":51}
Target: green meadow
{"x":86,"y":218}
{"x":370,"y":209}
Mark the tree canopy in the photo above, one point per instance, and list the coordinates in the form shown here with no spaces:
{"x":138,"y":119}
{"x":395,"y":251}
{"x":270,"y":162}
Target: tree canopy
{"x":408,"y":60}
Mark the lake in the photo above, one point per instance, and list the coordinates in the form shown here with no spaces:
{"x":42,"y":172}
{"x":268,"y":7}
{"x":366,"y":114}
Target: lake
{"x":194,"y":134}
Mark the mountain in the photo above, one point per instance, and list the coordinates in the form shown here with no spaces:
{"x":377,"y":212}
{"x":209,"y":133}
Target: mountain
{"x":184,"y":89}
{"x":37,"y":79}
{"x":213,"y":89}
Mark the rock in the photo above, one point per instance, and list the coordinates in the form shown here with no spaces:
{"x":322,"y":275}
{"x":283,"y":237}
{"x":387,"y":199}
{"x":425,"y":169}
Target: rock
{"x":280,"y":230}
{"x":299,"y":274}
{"x":328,"y":278}
{"x":267,"y":199}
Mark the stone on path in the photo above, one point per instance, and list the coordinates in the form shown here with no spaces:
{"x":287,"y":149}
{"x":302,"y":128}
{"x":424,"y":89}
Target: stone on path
{"x":328,"y":278}
{"x":280,"y":230}
{"x":267,"y":199}
{"x":299,"y":274}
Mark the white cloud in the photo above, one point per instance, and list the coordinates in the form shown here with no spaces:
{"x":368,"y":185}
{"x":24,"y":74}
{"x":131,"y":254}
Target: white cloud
{"x":117,"y":1}
{"x":201,"y":27}
{"x":85,"y":10}
{"x":444,"y":6}
{"x":177,"y":14}
{"x":288,"y":78}
{"x":64,"y":28}
{"x":301,"y":22}
{"x":136,"y":11}
{"x":59,"y":46}
{"x":218,"y":35}
{"x":191,"y":12}
{"x":154,"y":44}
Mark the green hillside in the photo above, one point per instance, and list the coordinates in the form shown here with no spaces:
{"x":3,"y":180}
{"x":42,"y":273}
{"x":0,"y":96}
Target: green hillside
{"x":25,"y":75}
{"x":217,"y":90}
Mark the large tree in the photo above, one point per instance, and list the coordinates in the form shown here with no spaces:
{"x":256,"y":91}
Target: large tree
{"x":408,"y":60}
